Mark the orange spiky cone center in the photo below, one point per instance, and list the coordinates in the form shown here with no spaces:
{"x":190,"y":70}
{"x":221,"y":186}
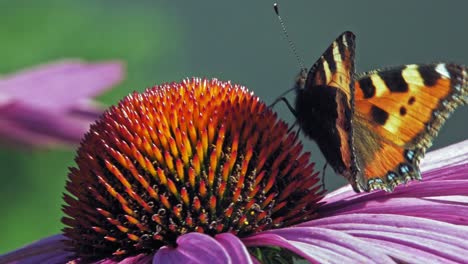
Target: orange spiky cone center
{"x":198,"y":156}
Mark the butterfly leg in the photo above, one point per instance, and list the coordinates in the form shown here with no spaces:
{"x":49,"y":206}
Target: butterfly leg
{"x":292,"y":127}
{"x":296,"y":137}
{"x":323,"y":175}
{"x":293,"y":111}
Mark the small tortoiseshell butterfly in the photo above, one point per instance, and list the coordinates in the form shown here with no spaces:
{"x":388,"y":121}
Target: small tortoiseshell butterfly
{"x":375,"y":128}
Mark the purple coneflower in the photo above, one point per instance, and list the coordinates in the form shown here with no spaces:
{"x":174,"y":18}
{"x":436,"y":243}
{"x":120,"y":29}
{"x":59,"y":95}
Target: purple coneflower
{"x":203,"y":172}
{"x":51,"y":104}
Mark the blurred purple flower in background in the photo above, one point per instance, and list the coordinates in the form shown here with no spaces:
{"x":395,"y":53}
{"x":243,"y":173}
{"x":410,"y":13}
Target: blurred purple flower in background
{"x":51,"y":104}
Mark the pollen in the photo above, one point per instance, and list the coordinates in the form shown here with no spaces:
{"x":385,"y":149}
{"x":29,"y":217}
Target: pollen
{"x":197,"y":156}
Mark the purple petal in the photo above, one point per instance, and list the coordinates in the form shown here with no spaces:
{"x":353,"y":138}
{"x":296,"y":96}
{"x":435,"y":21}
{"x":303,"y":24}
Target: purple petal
{"x":443,"y":200}
{"x":48,"y":250}
{"x":193,"y":248}
{"x":320,"y":245}
{"x":446,"y":211}
{"x":235,"y":248}
{"x":449,"y":156}
{"x":272,"y":240}
{"x":50,"y":104}
{"x":86,"y":111}
{"x":61,"y":84}
{"x":438,"y":239}
{"x":406,"y":254}
{"x":20,"y":123}
{"x":138,"y":259}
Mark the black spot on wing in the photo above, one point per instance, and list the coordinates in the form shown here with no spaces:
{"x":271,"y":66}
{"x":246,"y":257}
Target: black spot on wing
{"x":379,"y":115}
{"x":402,"y":111}
{"x":411,"y":100}
{"x":367,"y":87}
{"x":429,"y":74}
{"x":394,"y":80}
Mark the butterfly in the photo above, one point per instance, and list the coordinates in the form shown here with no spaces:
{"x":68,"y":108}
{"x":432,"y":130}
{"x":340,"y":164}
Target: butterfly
{"x":375,"y":128}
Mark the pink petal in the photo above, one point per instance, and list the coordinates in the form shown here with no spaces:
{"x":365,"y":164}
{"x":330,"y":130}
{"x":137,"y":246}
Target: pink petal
{"x":61,"y":84}
{"x":27,"y":125}
{"x":432,"y":199}
{"x":193,"y":248}
{"x":138,"y":259}
{"x":448,"y":156}
{"x":431,"y":209}
{"x":321,"y":245}
{"x":438,"y":239}
{"x":406,"y":254}
{"x":48,"y":250}
{"x":86,"y":111}
{"x":271,"y":240}
{"x":397,"y":223}
{"x":235,"y":248}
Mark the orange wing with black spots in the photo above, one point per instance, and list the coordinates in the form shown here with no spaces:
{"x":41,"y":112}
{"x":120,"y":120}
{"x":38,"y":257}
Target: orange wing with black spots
{"x":398,"y":112}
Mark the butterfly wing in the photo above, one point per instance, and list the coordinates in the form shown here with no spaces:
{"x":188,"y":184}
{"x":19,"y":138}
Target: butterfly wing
{"x":335,"y":68}
{"x":325,"y":97}
{"x":398,"y":112}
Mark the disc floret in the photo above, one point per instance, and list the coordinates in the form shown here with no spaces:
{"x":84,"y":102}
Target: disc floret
{"x":198,"y":156}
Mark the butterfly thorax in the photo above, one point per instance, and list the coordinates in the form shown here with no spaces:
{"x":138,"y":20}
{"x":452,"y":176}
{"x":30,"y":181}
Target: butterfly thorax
{"x":318,"y":120}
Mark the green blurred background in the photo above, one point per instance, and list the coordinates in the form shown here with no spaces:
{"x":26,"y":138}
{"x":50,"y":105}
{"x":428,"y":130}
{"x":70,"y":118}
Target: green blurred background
{"x":164,"y":41}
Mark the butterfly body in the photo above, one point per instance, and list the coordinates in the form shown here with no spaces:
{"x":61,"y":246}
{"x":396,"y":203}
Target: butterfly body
{"x":375,"y":128}
{"x":324,"y":105}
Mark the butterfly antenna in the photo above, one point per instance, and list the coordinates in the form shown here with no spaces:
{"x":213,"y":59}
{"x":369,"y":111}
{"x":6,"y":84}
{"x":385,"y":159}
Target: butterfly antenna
{"x":286,"y":35}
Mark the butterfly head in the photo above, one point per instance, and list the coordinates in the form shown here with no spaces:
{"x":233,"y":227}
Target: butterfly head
{"x":301,"y":80}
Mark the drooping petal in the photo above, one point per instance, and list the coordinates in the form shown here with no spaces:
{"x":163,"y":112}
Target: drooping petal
{"x":51,"y":103}
{"x":59,"y":85}
{"x":439,"y":159}
{"x":271,"y":240}
{"x":439,"y":240}
{"x":138,"y":259}
{"x":47,"y":250}
{"x":85,"y":111}
{"x":319,"y":245}
{"x":25,"y":124}
{"x":193,"y":248}
{"x":235,"y":248}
